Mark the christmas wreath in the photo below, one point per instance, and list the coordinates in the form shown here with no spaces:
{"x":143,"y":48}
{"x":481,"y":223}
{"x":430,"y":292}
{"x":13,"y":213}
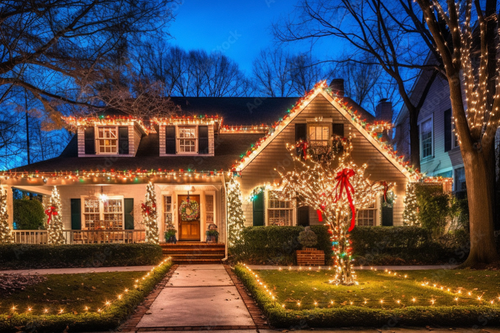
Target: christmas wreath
{"x":189,"y":210}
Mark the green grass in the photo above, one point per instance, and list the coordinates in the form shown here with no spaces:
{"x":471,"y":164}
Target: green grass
{"x":70,"y":292}
{"x":380,"y":290}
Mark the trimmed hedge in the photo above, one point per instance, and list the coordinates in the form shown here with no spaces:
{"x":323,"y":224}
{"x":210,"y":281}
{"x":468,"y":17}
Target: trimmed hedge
{"x":401,"y":245}
{"x":276,"y":244}
{"x":108,"y":320}
{"x":29,"y":214}
{"x":356,"y":316}
{"x":27,"y":256}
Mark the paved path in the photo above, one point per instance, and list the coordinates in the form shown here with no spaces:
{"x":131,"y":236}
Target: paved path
{"x":198,"y":296}
{"x":78,"y":270}
{"x":392,"y":268}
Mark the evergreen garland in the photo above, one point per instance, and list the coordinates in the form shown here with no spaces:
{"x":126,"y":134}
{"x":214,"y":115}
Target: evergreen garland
{"x":149,"y":215}
{"x":5,"y":232}
{"x":236,"y":218}
{"x":55,"y":234}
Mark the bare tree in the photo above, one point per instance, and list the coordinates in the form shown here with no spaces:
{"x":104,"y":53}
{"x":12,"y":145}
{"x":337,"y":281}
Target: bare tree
{"x":305,"y":72}
{"x":272,"y":73}
{"x":471,"y":66}
{"x":390,"y":32}
{"x":53,"y":49}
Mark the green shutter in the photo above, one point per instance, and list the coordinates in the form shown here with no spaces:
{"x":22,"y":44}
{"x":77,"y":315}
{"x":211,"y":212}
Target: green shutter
{"x":129,"y":213}
{"x":387,"y":216}
{"x":76,"y":214}
{"x":258,"y":210}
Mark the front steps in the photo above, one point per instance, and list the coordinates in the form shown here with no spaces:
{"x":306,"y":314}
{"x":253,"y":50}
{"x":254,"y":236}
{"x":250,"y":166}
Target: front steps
{"x":195,"y":253}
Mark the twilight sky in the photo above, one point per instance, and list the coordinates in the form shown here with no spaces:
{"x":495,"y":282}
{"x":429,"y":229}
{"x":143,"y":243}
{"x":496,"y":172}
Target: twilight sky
{"x":239,"y":28}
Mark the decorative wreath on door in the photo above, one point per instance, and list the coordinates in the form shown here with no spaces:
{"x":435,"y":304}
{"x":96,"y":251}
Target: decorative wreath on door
{"x":189,"y":210}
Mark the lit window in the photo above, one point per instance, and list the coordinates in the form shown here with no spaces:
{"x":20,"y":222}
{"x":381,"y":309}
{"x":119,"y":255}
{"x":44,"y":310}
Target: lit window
{"x":279,"y":212}
{"x":367,"y":216}
{"x":107,"y":140}
{"x":426,"y":137}
{"x":100,"y":214}
{"x":187,"y":139}
{"x":319,"y":135}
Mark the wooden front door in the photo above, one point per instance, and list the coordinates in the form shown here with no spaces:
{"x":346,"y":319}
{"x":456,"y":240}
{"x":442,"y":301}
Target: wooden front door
{"x":189,"y":217}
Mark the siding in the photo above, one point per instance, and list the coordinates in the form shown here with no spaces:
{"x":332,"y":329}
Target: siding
{"x":275,"y":155}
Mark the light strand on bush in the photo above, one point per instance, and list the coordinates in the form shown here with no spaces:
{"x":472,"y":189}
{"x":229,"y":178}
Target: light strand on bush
{"x":149,"y":215}
{"x":5,"y":231}
{"x":55,"y":235}
{"x":235,"y":217}
{"x":410,"y":213}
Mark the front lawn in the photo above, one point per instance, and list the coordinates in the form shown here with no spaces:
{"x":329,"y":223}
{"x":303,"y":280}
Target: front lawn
{"x":73,"y":293}
{"x":381,"y":298}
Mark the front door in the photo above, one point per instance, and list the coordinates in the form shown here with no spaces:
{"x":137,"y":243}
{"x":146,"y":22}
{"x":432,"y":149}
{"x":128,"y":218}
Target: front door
{"x":189,"y":217}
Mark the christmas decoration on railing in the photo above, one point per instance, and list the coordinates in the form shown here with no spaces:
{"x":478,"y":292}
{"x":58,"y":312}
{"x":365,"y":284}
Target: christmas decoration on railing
{"x":335,"y":188}
{"x":103,"y":120}
{"x":110,"y":175}
{"x":235,"y":215}
{"x":459,"y":294}
{"x":5,"y":231}
{"x":55,"y":234}
{"x":149,"y":215}
{"x":228,"y":129}
{"x":187,"y":120}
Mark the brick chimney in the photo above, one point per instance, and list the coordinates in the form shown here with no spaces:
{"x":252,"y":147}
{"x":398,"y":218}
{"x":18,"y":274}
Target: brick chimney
{"x":337,"y":86}
{"x":383,"y":111}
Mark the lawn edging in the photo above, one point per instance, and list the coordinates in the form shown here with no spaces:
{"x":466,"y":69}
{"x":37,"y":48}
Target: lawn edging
{"x":357,"y":316}
{"x":110,"y":318}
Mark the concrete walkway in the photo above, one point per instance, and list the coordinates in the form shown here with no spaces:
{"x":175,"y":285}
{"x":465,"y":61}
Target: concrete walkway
{"x":198,"y":296}
{"x":391,"y":268}
{"x":78,"y":270}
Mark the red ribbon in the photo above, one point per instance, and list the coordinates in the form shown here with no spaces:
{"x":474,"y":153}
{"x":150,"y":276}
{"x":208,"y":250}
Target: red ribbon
{"x":145,"y":209}
{"x":303,"y":145}
{"x":386,"y":188}
{"x":320,"y":213}
{"x":51,"y":211}
{"x":344,"y":184}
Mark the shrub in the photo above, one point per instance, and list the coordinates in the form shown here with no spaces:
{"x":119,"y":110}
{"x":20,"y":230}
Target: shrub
{"x":433,"y":208}
{"x":29,"y":214}
{"x":277,"y":244}
{"x":25,"y":256}
{"x":308,"y":238}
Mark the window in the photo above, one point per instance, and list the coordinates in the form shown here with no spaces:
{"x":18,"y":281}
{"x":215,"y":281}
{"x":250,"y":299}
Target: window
{"x":98,"y":214}
{"x":187,"y":139}
{"x":107,"y":140}
{"x":319,"y":135}
{"x":367,"y":216}
{"x":279,"y":212}
{"x":460,"y":184}
{"x":209,"y":214}
{"x":167,"y":210}
{"x":426,"y":138}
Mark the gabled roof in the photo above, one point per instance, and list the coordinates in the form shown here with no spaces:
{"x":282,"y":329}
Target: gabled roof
{"x":369,"y":131}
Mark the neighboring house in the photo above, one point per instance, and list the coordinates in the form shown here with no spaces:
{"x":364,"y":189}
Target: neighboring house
{"x":103,"y":172}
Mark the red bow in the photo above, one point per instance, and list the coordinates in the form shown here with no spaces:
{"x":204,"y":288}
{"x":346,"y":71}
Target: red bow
{"x":303,"y":145}
{"x":386,"y":188}
{"x":146,"y":209}
{"x":320,"y":213}
{"x":51,"y":211}
{"x":343,"y":181}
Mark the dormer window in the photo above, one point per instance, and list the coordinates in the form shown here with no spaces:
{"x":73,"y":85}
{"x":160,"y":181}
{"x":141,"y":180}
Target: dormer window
{"x":319,"y":134}
{"x":107,"y":140}
{"x":187,"y":140}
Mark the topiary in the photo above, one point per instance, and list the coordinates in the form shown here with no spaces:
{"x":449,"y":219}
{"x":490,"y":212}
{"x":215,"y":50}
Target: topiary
{"x":29,"y":214}
{"x":308,"y":238}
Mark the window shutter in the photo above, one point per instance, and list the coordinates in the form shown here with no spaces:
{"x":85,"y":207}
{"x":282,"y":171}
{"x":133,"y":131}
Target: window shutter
{"x":128,"y":205}
{"x":202,"y":139}
{"x":303,"y":216}
{"x":338,"y":129}
{"x":76,"y":214}
{"x":300,"y":132}
{"x":170,"y":146}
{"x":123,"y":146}
{"x":258,"y":210}
{"x":387,"y":216}
{"x":447,"y":130}
{"x":89,"y":141}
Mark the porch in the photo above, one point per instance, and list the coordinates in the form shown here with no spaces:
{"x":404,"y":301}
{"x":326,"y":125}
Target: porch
{"x":82,"y":236}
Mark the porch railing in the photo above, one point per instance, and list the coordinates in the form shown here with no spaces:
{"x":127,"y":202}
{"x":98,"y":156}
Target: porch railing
{"x":82,"y":236}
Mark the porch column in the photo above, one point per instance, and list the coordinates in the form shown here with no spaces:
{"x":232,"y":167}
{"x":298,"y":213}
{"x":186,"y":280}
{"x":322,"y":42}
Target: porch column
{"x":10,"y":205}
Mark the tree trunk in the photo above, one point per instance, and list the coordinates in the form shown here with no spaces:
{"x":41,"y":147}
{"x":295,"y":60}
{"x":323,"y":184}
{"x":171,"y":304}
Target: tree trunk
{"x":414,"y":141}
{"x":480,"y":188}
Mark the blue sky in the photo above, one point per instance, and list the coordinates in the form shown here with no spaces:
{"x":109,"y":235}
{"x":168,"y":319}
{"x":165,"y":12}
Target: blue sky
{"x":239,"y":28}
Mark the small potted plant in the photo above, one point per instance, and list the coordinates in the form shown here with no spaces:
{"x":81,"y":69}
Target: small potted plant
{"x":212,"y":236}
{"x":309,"y":256}
{"x":170,"y":234}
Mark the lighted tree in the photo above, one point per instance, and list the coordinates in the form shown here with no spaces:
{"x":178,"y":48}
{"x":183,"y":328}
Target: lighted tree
{"x":236,"y":218}
{"x":54,"y":219}
{"x":410,"y":214}
{"x":149,"y":215}
{"x":5,"y":232}
{"x":336,"y":188}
